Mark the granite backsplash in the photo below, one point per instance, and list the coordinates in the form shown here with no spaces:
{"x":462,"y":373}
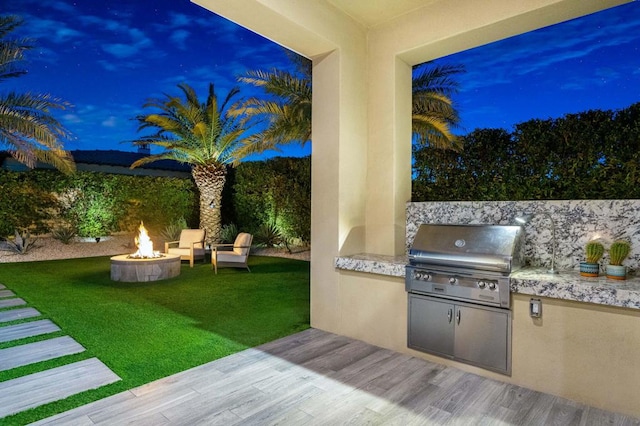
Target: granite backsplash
{"x":576,"y":222}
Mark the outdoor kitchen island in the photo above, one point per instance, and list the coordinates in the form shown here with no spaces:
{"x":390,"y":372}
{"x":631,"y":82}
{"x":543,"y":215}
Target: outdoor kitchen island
{"x":567,"y":285}
{"x":584,"y":347}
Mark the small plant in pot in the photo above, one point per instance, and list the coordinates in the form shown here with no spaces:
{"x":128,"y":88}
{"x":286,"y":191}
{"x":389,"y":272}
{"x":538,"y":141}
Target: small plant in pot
{"x":594,"y":251}
{"x":618,"y":252}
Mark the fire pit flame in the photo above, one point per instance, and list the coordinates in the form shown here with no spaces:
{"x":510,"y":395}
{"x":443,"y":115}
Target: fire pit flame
{"x":145,"y":246}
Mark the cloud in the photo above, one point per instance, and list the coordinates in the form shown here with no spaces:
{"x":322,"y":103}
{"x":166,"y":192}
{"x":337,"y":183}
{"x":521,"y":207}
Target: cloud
{"x":71,"y":118}
{"x":138,"y":42}
{"x":178,"y":20}
{"x":112,"y":121}
{"x":179,"y":38}
{"x":62,"y":6}
{"x":50,"y":30}
{"x":601,"y":77}
{"x":540,"y":52}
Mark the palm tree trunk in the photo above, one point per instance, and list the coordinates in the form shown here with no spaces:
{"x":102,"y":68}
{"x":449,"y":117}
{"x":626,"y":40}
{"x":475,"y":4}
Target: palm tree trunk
{"x":210,"y":180}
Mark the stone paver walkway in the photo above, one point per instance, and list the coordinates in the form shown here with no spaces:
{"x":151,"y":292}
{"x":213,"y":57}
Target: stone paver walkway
{"x":27,"y":329}
{"x":54,"y":384}
{"x":16,"y":314}
{"x":9,"y":303}
{"x":43,"y":387}
{"x":17,"y":356}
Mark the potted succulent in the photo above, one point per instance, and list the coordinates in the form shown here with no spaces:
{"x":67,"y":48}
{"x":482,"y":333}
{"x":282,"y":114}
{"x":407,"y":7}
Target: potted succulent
{"x":594,"y":251}
{"x":618,"y":252}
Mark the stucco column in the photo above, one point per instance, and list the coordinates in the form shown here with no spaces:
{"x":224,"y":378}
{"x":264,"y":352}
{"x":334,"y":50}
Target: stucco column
{"x":325,"y":185}
{"x":389,"y":161}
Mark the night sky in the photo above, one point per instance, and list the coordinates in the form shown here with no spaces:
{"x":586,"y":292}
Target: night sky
{"x":107,"y":57}
{"x":592,"y":62}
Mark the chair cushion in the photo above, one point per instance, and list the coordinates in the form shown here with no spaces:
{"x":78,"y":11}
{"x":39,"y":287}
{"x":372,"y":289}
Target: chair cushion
{"x":244,"y":240}
{"x":230,"y":257}
{"x":188,"y":236}
{"x":185,"y":252}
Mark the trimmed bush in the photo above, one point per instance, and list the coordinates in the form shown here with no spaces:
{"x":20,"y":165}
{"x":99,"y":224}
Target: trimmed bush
{"x":589,"y":155}
{"x":93,"y":204}
{"x":272,"y":192}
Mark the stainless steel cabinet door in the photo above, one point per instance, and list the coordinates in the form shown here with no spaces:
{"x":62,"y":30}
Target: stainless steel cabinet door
{"x":482,"y":337}
{"x":431,"y":325}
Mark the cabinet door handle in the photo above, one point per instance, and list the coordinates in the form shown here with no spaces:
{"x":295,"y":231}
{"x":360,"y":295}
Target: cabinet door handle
{"x":458,"y":316}
{"x":450,"y":315}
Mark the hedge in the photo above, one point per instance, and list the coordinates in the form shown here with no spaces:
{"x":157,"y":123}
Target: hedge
{"x":275,"y":191}
{"x":96,"y":204}
{"x":589,"y":155}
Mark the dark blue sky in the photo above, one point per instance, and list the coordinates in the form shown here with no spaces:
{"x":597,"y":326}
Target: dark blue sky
{"x":107,"y":57}
{"x":592,"y":62}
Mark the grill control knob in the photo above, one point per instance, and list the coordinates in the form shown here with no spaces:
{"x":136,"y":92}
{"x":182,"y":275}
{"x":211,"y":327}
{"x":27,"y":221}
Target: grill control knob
{"x":424,"y":276}
{"x":482,"y":284}
{"x":453,"y":280}
{"x":492,"y":286}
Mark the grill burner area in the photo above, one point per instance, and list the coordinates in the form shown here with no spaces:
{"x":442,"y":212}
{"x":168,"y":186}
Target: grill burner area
{"x":457,"y":282}
{"x":487,"y":289}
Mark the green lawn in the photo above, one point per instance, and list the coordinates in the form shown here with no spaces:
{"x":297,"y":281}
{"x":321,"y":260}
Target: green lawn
{"x":145,"y":331}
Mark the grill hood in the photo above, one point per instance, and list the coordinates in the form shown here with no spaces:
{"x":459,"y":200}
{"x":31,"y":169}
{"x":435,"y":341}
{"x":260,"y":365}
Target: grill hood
{"x":496,"y":248}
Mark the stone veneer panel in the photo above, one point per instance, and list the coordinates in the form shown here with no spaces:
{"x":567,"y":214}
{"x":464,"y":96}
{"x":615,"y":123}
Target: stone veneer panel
{"x":576,"y":222}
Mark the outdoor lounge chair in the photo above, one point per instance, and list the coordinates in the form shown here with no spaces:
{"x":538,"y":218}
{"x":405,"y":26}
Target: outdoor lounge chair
{"x":190,"y":246}
{"x":236,"y":258}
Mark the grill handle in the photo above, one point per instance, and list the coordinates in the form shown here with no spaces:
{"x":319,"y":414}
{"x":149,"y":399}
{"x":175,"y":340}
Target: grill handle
{"x":458,"y":316}
{"x":450,"y":315}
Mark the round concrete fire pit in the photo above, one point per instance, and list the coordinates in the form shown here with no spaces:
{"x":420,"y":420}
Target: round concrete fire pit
{"x":126,"y":269}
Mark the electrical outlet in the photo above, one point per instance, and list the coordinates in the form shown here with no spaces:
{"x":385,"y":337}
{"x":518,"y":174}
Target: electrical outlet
{"x":535,"y":308}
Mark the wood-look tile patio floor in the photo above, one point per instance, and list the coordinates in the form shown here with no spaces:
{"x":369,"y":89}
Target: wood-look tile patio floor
{"x":319,"y":378}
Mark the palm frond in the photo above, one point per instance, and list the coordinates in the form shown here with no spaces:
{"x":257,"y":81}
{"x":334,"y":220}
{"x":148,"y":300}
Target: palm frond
{"x":285,"y":109}
{"x":433,"y":112}
{"x":190,"y":131}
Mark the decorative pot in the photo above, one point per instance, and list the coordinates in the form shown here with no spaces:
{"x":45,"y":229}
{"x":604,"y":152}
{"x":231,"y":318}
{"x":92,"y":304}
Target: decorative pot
{"x":617,"y":272}
{"x":589,"y":269}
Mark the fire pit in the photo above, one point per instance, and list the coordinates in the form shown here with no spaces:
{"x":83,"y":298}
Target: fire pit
{"x":145,"y":264}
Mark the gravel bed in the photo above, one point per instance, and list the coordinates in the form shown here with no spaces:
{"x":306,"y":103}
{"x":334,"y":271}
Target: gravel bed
{"x":49,"y":248}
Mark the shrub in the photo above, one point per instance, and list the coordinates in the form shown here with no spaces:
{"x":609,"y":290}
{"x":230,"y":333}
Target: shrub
{"x":589,"y":155}
{"x":65,"y":234}
{"x":23,"y":206}
{"x":268,"y":235}
{"x":94,"y":203}
{"x":229,"y":233}
{"x":21,"y":243}
{"x":172,"y":231}
{"x":275,"y":191}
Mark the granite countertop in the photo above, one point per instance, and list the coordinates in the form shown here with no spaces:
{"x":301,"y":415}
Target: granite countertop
{"x":567,"y":285}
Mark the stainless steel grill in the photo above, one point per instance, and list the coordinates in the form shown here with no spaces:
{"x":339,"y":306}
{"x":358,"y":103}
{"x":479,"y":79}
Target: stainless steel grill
{"x":457,"y":280}
{"x":465,"y":262}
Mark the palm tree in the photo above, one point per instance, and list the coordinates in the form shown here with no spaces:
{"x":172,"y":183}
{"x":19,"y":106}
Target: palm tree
{"x":286,"y":111}
{"x":203,"y":135}
{"x":433,"y":112}
{"x":287,"y":108}
{"x":27,"y":128}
